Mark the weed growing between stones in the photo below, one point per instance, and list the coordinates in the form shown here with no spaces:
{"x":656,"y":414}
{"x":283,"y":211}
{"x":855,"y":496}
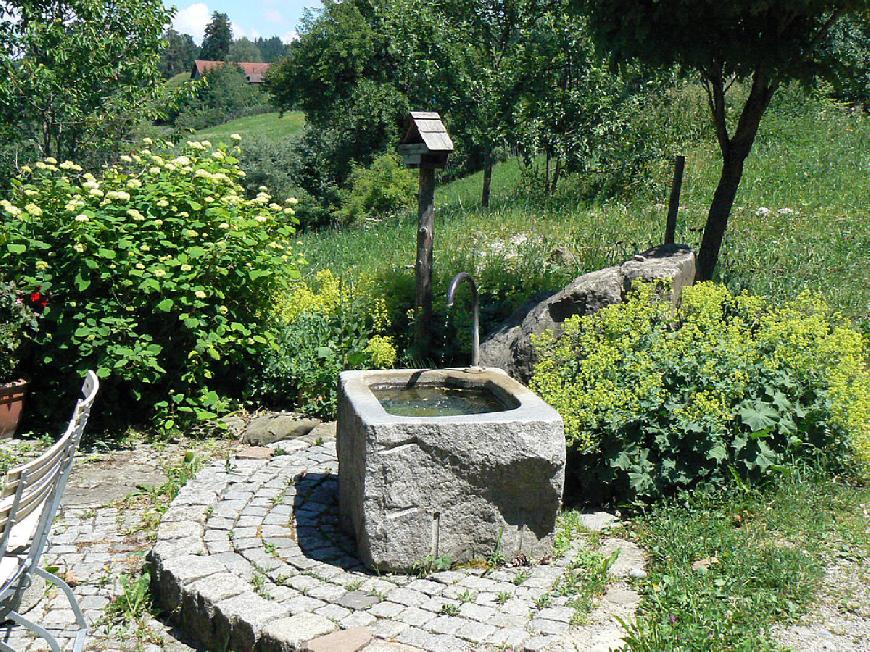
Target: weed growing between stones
{"x":448,"y":609}
{"x":159,"y":498}
{"x":258,"y":582}
{"x":496,"y":558}
{"x":128,"y":612}
{"x":585,"y":579}
{"x":431,"y":564}
{"x":466,"y":596}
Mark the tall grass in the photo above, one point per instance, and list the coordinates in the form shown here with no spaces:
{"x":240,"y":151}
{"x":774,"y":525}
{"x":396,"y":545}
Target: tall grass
{"x":809,"y":159}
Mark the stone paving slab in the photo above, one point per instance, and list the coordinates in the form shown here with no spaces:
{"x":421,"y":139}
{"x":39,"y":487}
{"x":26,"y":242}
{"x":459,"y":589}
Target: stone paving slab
{"x":261,"y":562}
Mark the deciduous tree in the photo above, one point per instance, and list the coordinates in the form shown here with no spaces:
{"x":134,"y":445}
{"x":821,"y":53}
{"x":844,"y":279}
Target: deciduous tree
{"x":762,"y":43}
{"x":179,"y":53}
{"x":243,"y":50}
{"x":271,"y":48}
{"x":78,"y":74}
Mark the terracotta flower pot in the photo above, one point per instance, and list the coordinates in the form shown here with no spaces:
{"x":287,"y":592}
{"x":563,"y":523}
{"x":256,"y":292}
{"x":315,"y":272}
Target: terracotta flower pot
{"x":11,"y":406}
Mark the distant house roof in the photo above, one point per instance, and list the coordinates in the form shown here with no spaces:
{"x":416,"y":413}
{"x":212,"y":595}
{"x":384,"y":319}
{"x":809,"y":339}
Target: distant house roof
{"x":254,"y":72}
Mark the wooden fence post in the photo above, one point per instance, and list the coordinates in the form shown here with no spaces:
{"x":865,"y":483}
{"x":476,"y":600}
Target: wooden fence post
{"x":674,"y":203}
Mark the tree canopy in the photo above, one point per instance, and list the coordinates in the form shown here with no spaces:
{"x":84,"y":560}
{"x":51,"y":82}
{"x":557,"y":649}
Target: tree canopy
{"x":77,"y":73}
{"x":271,"y":49}
{"x":243,"y":50}
{"x":179,"y":53}
{"x":499,"y":71}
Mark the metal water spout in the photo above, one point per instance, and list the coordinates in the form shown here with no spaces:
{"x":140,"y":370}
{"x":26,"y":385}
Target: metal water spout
{"x":475,"y":328}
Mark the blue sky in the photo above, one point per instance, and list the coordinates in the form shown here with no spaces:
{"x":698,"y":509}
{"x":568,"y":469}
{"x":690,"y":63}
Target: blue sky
{"x":251,"y":18}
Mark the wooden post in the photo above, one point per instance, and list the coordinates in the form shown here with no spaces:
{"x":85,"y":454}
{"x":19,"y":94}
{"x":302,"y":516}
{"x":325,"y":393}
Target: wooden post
{"x":674,"y":203}
{"x":425,"y":237}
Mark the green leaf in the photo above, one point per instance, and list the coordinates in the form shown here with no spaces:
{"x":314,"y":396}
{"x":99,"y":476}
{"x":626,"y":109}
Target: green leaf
{"x":102,"y":252}
{"x":165,"y":305}
{"x":82,"y":283}
{"x":717,"y":453}
{"x":324,"y":352}
{"x":757,"y":415}
{"x":16,"y":248}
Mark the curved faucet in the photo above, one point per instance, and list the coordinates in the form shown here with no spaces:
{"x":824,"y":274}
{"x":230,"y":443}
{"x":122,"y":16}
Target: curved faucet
{"x":475,"y":329}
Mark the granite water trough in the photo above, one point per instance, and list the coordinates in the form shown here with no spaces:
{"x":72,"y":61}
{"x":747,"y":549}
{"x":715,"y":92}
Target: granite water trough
{"x":456,"y":464}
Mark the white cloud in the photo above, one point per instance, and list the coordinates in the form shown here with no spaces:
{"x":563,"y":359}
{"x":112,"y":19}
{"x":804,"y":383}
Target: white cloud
{"x":289,"y":37}
{"x":239,"y":32}
{"x":274,"y":16}
{"x":192,"y":20}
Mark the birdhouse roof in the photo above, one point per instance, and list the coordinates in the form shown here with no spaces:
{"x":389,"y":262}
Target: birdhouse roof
{"x":426,"y":128}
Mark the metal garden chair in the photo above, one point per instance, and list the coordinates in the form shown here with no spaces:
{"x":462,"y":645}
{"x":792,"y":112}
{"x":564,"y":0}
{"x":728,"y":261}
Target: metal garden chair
{"x":28,"y":504}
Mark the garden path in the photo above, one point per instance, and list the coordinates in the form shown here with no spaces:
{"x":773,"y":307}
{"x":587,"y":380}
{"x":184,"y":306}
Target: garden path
{"x":99,"y":536}
{"x":839,"y":619}
{"x":95,"y":540}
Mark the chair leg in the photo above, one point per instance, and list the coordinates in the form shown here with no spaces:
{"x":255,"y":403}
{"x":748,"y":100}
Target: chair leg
{"x":18,"y":619}
{"x":82,"y":632}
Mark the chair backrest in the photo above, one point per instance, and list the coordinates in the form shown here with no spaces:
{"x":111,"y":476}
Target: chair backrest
{"x":33,"y":490}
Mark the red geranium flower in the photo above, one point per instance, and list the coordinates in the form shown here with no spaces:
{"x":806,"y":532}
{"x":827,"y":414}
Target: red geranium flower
{"x":38,"y":299}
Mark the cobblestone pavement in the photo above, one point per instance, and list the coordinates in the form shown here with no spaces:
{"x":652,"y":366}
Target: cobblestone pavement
{"x":250,"y":553}
{"x":93,"y":543}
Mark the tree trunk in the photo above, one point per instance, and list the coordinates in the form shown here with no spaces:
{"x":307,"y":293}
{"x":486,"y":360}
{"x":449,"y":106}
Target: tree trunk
{"x":734,"y":152}
{"x":717,"y":218}
{"x":547,"y":173}
{"x":487,"y":180}
{"x":556,"y":175}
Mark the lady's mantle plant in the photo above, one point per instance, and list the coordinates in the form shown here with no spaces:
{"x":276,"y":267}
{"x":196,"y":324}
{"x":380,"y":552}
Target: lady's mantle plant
{"x":655,"y":399}
{"x":18,"y":322}
{"x":159,"y":274}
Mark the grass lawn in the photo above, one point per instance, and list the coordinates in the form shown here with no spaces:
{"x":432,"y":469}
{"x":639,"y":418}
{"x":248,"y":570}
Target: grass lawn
{"x":808,"y":170}
{"x":266,"y":125}
{"x":178,"y":80}
{"x":724,"y":568}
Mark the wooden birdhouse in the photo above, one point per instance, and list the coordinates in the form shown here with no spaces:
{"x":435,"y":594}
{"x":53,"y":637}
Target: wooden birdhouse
{"x":426,"y":143}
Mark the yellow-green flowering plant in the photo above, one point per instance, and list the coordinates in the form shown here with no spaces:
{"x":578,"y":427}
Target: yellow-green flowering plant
{"x":158,"y":273}
{"x":324,"y":327}
{"x":657,"y":398}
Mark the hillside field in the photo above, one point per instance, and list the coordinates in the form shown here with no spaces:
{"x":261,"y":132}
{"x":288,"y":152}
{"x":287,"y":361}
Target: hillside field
{"x":267,"y":125}
{"x":800,"y":222}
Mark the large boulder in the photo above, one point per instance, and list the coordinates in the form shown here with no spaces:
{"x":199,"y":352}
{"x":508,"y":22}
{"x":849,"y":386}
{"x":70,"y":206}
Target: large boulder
{"x":510,"y":347}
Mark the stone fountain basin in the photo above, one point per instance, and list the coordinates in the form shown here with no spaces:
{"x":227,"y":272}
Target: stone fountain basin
{"x":463,"y":487}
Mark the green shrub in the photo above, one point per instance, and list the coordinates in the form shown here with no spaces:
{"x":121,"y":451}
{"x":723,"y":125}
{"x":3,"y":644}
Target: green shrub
{"x":656,"y":399}
{"x":18,"y":322}
{"x":325,"y":329}
{"x":273,"y":163}
{"x":381,"y":190}
{"x":158,"y":274}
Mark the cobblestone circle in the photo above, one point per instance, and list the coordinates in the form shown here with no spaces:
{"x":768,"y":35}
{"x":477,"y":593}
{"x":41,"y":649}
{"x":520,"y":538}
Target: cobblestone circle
{"x":250,"y":556}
